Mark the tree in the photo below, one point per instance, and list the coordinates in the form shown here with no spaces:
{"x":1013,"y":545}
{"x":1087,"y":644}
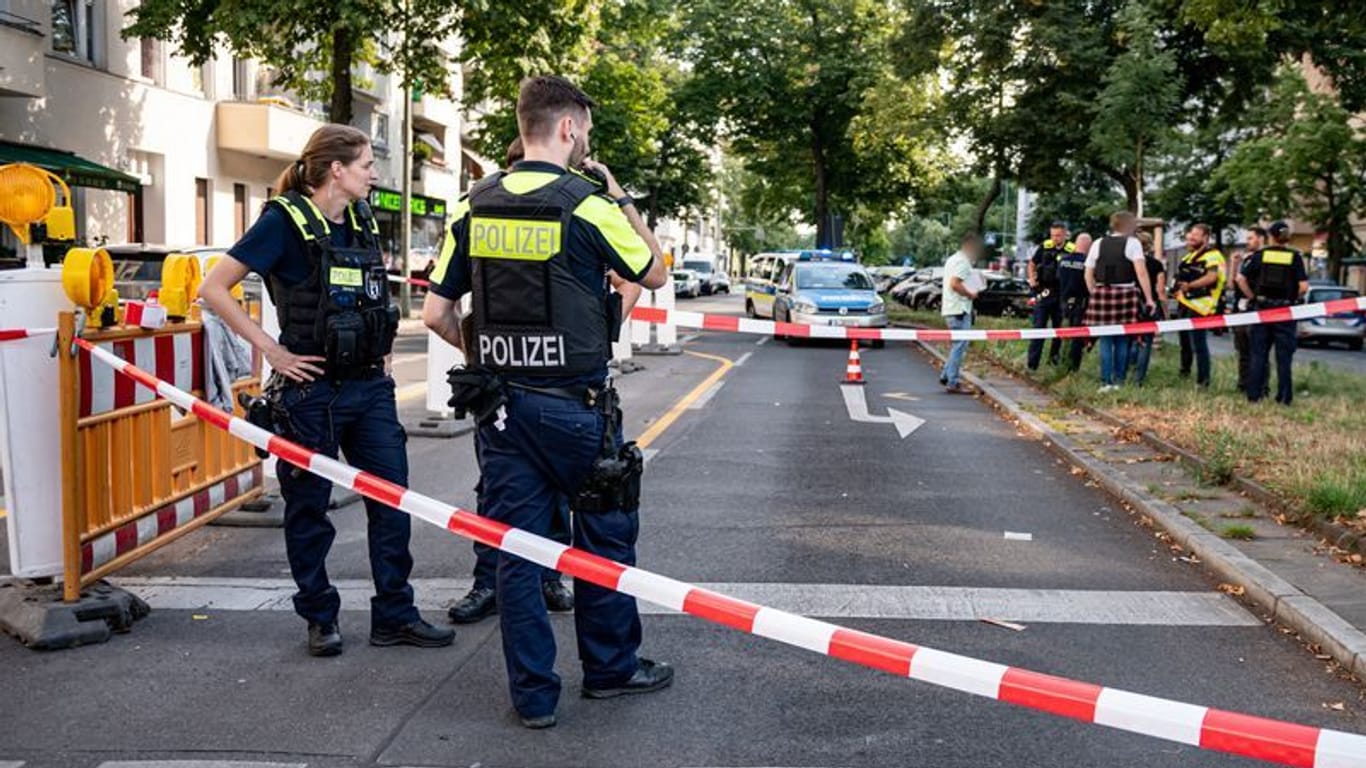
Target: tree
{"x":786,"y":81}
{"x":1310,"y":163}
{"x":1084,"y":203}
{"x":1139,"y":99}
{"x":311,"y":46}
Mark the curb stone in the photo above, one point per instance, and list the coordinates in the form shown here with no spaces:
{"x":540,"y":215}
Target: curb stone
{"x":1277,"y":597}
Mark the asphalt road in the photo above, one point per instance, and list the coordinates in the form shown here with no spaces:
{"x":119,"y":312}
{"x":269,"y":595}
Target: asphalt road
{"x":764,"y":486}
{"x":1335,"y":355}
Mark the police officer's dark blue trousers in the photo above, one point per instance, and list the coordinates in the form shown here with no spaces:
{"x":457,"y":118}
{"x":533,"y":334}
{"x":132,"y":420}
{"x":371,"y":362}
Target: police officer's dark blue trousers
{"x":486,"y":557}
{"x":1262,"y":338}
{"x":1195,"y":347}
{"x":542,"y":449}
{"x":1047,"y":311}
{"x":360,"y":417}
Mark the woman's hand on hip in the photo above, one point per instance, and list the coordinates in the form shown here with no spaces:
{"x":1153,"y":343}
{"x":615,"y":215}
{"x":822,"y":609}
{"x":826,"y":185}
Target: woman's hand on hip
{"x":292,"y":366}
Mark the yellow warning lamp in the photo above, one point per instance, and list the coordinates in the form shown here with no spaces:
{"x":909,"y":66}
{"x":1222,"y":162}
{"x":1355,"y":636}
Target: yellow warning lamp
{"x":88,"y":280}
{"x":179,"y":284}
{"x":237,"y":292}
{"x":28,"y":195}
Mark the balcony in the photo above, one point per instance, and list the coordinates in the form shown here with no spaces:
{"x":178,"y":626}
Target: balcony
{"x":21,"y":56}
{"x":435,"y":180}
{"x":263,"y":129}
{"x":431,"y":112}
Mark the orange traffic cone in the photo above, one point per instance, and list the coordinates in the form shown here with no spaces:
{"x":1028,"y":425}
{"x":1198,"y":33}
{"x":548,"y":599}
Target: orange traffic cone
{"x":853,"y":373}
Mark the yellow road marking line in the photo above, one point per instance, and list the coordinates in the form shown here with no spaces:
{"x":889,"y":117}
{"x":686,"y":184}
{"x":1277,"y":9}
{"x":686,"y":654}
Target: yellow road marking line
{"x":656,"y":429}
{"x":411,"y":391}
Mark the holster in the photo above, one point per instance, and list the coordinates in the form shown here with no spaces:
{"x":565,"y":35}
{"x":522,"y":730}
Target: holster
{"x":614,"y":481}
{"x":476,"y":391}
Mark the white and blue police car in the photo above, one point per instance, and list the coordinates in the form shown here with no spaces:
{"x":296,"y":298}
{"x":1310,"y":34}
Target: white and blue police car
{"x":824,"y":287}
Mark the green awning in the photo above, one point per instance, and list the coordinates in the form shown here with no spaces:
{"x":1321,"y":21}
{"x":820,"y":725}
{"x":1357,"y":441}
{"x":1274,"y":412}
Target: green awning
{"x":74,"y":169}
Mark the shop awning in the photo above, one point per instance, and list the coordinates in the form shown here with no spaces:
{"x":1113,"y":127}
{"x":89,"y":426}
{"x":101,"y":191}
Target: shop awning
{"x":74,"y":169}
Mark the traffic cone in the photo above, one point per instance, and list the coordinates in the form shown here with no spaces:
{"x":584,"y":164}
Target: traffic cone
{"x":853,"y":373}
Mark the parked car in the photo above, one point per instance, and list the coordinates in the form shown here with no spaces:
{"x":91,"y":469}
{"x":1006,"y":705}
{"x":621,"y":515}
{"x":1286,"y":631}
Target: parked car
{"x":720,"y":282}
{"x":904,"y":291}
{"x":706,"y":275}
{"x":1346,"y":327}
{"x":821,"y":288}
{"x":1003,"y":297}
{"x":886,"y":277}
{"x":687,"y":283}
{"x":926,"y":295}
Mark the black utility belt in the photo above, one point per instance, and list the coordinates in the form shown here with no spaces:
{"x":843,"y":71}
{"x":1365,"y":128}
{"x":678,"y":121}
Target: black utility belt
{"x":1263,"y":301}
{"x":589,"y":396}
{"x":352,"y":373}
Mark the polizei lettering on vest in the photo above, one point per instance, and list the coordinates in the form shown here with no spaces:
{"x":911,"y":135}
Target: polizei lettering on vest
{"x":517,"y":351}
{"x":513,"y":239}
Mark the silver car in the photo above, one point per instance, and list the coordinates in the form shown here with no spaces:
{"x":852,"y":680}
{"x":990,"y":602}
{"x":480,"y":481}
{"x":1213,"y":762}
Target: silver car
{"x":1346,"y":327}
{"x":687,"y":283}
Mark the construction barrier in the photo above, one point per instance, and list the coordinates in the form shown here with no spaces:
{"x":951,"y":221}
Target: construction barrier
{"x":1213,"y":729}
{"x":10,"y":334}
{"x":733,"y":324}
{"x":139,"y":473}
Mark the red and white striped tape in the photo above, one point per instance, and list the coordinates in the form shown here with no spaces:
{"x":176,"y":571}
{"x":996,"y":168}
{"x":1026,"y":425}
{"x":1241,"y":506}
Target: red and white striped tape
{"x":135,"y":533}
{"x":413,"y":280}
{"x":10,"y":334}
{"x":734,"y":324}
{"x":1271,"y":740}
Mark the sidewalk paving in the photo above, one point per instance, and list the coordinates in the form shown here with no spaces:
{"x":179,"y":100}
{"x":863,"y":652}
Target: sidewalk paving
{"x":1289,"y":574}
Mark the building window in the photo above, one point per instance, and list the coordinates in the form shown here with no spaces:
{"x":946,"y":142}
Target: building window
{"x":239,"y":210}
{"x":151,"y":60}
{"x":240,"y":84}
{"x":201,"y":212}
{"x":380,"y":137}
{"x":75,"y":24}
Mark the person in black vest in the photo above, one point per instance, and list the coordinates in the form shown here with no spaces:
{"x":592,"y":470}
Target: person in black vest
{"x":1117,"y":276}
{"x":316,"y":247}
{"x":534,"y":247}
{"x":1242,"y":334}
{"x":1141,"y":345}
{"x":1272,"y":278}
{"x":1044,"y":282}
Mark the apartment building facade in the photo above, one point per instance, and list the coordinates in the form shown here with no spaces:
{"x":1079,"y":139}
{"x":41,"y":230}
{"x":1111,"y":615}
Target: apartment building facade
{"x":161,"y":151}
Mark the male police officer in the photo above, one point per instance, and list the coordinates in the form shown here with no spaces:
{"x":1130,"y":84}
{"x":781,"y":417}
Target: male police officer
{"x":534,"y":247}
{"x":1242,"y":334}
{"x":1044,"y":283}
{"x":1200,"y":282}
{"x":1273,"y":277}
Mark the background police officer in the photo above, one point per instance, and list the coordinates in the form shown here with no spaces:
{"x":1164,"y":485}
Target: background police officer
{"x":1242,"y":334}
{"x":1043,"y":271}
{"x":1073,"y":293}
{"x":534,"y":247}
{"x":1199,"y":288}
{"x":1273,"y":277}
{"x":317,"y":250}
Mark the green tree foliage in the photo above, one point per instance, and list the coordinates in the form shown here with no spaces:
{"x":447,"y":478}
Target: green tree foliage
{"x":311,"y":46}
{"x":786,"y":84}
{"x":1308,"y":162}
{"x":1084,"y":202}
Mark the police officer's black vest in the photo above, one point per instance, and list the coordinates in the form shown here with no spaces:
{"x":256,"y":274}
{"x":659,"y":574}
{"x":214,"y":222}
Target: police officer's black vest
{"x":1112,"y":265}
{"x":1277,"y":278}
{"x":532,"y":314}
{"x":1192,"y":268}
{"x":342,"y":311}
{"x":1046,"y":263}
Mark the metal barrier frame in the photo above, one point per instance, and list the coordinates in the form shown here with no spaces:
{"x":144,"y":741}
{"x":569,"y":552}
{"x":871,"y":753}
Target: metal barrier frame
{"x":195,"y":473}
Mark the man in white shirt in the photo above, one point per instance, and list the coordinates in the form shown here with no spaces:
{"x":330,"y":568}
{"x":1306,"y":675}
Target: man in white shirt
{"x":956,"y":305}
{"x":1116,"y":274}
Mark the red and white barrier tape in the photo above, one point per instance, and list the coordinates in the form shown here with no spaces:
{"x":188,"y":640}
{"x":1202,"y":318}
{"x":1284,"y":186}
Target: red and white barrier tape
{"x":10,"y":334}
{"x":1271,"y":740}
{"x":412,"y":280}
{"x":734,"y":324}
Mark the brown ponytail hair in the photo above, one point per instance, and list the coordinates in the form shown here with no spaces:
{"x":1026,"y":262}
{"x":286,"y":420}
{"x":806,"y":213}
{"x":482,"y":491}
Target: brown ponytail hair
{"x":333,"y":141}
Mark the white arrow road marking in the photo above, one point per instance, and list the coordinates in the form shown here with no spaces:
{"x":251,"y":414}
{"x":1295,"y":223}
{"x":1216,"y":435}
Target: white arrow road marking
{"x":857,"y":404}
{"x":902,"y":396}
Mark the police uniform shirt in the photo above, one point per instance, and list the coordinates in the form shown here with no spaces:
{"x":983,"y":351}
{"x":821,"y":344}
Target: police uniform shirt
{"x":273,"y":246}
{"x":1252,"y":270}
{"x":600,"y":237}
{"x":1072,"y":275}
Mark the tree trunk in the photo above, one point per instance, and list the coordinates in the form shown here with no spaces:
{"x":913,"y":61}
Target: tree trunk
{"x":1131,"y":200}
{"x":823,"y":233}
{"x":652,"y":208}
{"x":979,"y":217}
{"x":343,"y":50}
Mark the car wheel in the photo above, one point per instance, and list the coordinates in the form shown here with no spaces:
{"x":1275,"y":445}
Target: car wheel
{"x":1355,"y":345}
{"x":1009,"y":310}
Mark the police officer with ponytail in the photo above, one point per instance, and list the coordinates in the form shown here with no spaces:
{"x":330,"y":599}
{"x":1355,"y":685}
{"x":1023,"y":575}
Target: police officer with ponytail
{"x":316,"y":248}
{"x":534,"y":247}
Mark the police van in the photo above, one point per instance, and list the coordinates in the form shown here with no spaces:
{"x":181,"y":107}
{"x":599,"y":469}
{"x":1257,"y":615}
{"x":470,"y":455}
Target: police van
{"x":813,"y":287}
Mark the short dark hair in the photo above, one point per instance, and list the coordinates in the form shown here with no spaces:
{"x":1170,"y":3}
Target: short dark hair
{"x":1200,"y":226}
{"x":1120,"y":219}
{"x":543,"y":100}
{"x":969,"y":236}
{"x":515,"y":153}
{"x":1259,"y":231}
{"x":1058,"y":224}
